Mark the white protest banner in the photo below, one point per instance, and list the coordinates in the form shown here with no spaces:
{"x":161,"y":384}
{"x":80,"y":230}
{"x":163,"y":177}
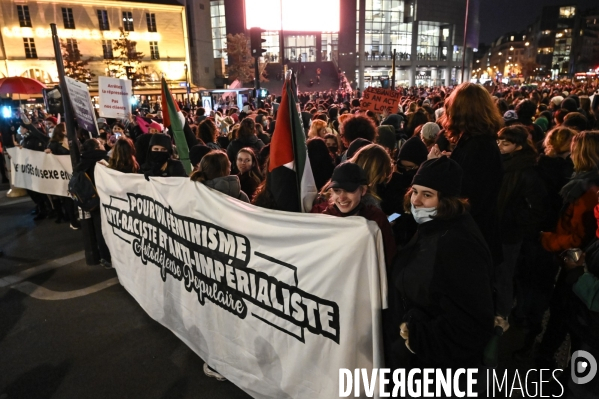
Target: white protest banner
{"x":276,"y":302}
{"x":82,"y":105}
{"x":41,"y":172}
{"x":115,"y":97}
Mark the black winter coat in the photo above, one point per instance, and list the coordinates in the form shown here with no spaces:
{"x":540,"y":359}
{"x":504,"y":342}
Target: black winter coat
{"x":35,"y":140}
{"x":57,"y":148}
{"x":521,"y":202}
{"x":555,"y":172}
{"x":479,"y":157}
{"x":441,"y":286}
{"x":88,"y":162}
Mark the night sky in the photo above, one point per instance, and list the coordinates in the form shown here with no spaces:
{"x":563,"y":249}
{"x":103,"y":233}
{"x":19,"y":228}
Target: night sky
{"x":501,"y":16}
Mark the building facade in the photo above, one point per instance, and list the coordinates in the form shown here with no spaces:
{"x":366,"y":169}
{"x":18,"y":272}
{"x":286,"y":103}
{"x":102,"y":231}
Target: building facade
{"x":427,"y":36}
{"x":93,"y":26}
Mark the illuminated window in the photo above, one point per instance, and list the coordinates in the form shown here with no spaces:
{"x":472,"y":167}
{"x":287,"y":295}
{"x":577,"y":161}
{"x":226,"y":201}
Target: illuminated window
{"x":72,"y":46}
{"x":154,"y":53}
{"x":107,"y":49}
{"x":151,"y":20}
{"x":567,"y":12}
{"x":24,"y":18}
{"x":387,"y":29}
{"x":428,"y":41}
{"x":219,"y":29}
{"x":511,"y":38}
{"x":67,"y":18}
{"x":30,"y":51}
{"x":103,"y":20}
{"x":128,"y":21}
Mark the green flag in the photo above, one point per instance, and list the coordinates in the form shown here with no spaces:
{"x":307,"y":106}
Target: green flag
{"x":173,"y":115}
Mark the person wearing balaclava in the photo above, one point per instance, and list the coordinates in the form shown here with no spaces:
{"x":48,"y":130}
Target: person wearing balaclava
{"x":440,"y":299}
{"x":159,"y":162}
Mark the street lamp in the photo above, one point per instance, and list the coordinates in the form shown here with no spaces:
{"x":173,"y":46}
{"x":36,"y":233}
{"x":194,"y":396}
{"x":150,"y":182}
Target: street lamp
{"x":187,"y":84}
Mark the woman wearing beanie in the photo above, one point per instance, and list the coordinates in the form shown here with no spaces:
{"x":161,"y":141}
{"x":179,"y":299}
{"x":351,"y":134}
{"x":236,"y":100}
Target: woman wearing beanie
{"x":472,"y":121}
{"x":159,"y":162}
{"x":440,"y":297}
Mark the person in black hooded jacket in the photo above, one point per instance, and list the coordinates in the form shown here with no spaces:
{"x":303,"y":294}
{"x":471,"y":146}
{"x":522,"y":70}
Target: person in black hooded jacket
{"x":159,"y":162}
{"x":521,"y":209}
{"x":94,"y":152}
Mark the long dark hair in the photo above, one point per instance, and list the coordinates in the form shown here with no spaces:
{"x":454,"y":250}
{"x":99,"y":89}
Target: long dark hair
{"x":207,"y":131}
{"x":247,"y":128}
{"x":59,"y":133}
{"x":254,"y":171}
{"x":123,"y":156}
{"x":213,"y":165}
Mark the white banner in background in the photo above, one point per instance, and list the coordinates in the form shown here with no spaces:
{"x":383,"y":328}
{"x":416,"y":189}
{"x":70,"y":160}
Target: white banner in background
{"x":41,"y":172}
{"x":82,"y":105}
{"x":277,"y":302}
{"x":115,"y":97}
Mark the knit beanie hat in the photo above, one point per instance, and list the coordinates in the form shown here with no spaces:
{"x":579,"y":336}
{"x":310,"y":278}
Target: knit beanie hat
{"x":543,"y":123}
{"x":441,"y":174}
{"x":413,"y":150}
{"x":557,"y":100}
{"x":163,"y":140}
{"x":569,"y":104}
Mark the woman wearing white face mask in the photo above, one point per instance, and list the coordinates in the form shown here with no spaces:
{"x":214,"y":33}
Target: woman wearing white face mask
{"x":441,"y":305}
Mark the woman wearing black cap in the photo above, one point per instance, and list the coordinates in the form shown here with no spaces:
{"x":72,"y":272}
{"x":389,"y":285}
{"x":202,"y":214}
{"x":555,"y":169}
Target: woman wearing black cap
{"x":441,"y":305}
{"x":159,"y":162}
{"x":348,"y":186}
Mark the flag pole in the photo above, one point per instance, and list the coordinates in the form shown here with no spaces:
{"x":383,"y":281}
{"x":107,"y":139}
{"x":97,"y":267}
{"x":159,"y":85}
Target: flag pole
{"x":90,"y":244}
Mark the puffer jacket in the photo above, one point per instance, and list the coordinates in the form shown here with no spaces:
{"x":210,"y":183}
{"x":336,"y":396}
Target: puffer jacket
{"x":228,"y":185}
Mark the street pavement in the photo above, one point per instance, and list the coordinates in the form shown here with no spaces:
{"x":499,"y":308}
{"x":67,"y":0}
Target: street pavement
{"x":68,"y":330}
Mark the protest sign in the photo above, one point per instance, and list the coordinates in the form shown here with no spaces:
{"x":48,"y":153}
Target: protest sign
{"x":380,"y":100}
{"x":41,"y":172}
{"x":115,"y":97}
{"x":82,"y":105}
{"x":277,"y":302}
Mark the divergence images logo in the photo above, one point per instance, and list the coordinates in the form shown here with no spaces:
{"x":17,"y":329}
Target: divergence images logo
{"x":583,"y":363}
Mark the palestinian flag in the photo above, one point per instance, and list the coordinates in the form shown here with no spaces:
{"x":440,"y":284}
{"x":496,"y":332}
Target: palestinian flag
{"x":291,"y":181}
{"x":173,"y":117}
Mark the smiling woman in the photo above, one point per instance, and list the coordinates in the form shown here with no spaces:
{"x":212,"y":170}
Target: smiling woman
{"x":349,"y":186}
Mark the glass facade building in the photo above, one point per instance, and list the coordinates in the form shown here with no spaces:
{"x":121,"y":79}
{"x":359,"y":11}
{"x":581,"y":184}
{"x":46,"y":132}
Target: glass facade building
{"x":426,"y":36}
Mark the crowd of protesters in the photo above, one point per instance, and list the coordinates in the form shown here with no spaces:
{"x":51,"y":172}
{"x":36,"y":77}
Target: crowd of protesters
{"x":496,"y":188}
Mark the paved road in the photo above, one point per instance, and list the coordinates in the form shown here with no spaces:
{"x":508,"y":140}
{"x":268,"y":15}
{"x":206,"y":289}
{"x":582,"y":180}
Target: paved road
{"x":68,"y":330}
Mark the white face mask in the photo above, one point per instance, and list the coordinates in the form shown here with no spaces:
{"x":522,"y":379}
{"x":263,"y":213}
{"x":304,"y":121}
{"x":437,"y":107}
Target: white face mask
{"x":50,"y":132}
{"x":423,"y":215}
